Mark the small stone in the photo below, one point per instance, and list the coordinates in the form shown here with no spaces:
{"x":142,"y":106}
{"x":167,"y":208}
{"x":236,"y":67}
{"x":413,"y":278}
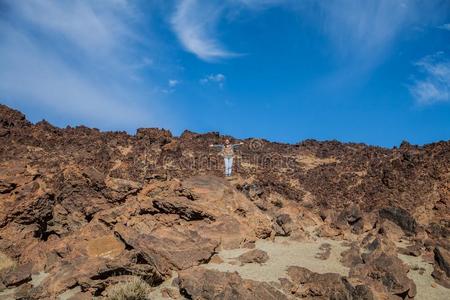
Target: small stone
{"x":216,"y":259}
{"x":254,"y":256}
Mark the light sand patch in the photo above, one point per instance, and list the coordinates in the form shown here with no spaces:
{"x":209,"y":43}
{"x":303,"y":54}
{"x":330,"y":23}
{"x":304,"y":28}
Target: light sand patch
{"x":8,"y":294}
{"x":360,"y":175}
{"x":106,"y":246}
{"x":282,"y":254}
{"x":294,"y":183}
{"x":309,"y":161}
{"x":425,"y":289}
{"x":248,"y":166}
{"x":125,"y":150}
{"x":117,"y":165}
{"x":6,"y":262}
{"x":37,"y":279}
{"x":34,"y":149}
{"x":69,"y":293}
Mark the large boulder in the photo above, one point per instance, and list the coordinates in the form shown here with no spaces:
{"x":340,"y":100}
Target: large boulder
{"x":184,"y":208}
{"x":17,"y":275}
{"x":386,"y":271}
{"x":283,"y":225}
{"x":254,"y":256}
{"x":304,"y":283}
{"x":10,"y":118}
{"x":401,"y":217}
{"x":154,"y":135}
{"x":442,"y":258}
{"x":199,"y":283}
{"x":169,"y":248}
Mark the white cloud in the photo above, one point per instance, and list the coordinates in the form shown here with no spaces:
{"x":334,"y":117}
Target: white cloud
{"x":94,"y":27}
{"x":74,"y":59}
{"x":363,"y":31}
{"x":256,"y":4}
{"x":445,"y":26}
{"x":194,"y":24}
{"x":360,"y":31}
{"x":215,"y":78}
{"x":173,"y":83}
{"x":435,"y":85}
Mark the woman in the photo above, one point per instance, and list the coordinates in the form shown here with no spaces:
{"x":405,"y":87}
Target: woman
{"x":227,"y":151}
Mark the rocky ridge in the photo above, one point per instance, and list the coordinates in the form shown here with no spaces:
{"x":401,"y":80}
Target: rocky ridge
{"x":83,"y":209}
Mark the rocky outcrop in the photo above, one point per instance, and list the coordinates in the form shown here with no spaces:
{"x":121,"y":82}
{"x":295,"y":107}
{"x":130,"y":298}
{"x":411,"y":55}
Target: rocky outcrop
{"x":442,"y":268}
{"x":442,"y":257}
{"x":86,"y":208}
{"x":201,"y":283}
{"x":303,"y":283}
{"x":400,"y":217}
{"x":386,"y":273}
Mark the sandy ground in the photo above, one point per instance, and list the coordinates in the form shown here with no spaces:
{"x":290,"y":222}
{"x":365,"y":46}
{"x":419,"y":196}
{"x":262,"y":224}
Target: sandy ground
{"x":427,"y":288}
{"x":283,"y":253}
{"x":69,"y":293}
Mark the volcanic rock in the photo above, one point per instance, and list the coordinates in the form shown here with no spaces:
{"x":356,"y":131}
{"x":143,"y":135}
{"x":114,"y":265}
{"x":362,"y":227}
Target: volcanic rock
{"x":400,"y":217}
{"x":254,"y":256}
{"x":307,"y":284}
{"x":442,"y":257}
{"x":200,"y":283}
{"x":387,"y":270}
{"x":85,"y":207}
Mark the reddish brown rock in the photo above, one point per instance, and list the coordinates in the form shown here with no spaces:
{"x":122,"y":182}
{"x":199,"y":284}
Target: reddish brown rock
{"x":401,"y":217}
{"x":170,"y":248}
{"x":17,"y":275}
{"x":87,"y":207}
{"x":311,"y":285}
{"x":390,"y":271}
{"x":254,"y":256}
{"x":200,"y":283}
{"x":442,"y":257}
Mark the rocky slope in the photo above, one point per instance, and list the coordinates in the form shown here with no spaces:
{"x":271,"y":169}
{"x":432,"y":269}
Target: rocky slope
{"x":81,"y":210}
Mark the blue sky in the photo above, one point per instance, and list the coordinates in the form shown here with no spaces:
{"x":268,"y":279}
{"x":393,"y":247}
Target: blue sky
{"x":376,"y":72}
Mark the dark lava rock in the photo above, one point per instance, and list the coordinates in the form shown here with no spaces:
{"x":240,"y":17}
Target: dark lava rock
{"x":401,"y":217}
{"x":388,"y":270}
{"x":6,"y":187}
{"x":283,"y":225}
{"x":442,"y":258}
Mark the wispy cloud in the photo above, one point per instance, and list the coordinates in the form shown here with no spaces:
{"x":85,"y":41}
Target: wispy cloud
{"x":214,"y":78}
{"x":363,"y":31}
{"x":75,"y":59}
{"x":445,"y":27}
{"x":173,"y":83}
{"x":360,"y":31}
{"x":194,"y":24}
{"x":258,"y":4}
{"x":434,"y":86}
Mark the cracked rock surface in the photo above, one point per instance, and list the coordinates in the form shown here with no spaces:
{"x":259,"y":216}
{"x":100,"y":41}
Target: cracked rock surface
{"x":81,"y":210}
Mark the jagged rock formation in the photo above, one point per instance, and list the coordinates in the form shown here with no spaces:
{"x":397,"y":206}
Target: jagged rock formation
{"x":89,"y":208}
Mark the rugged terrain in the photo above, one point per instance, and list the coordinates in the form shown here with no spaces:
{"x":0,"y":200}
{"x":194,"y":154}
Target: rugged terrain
{"x":82,"y":210}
